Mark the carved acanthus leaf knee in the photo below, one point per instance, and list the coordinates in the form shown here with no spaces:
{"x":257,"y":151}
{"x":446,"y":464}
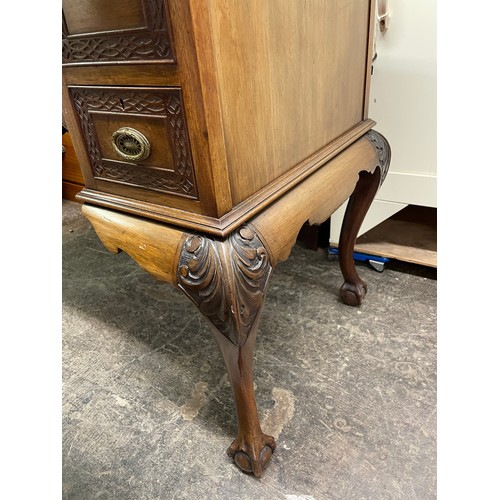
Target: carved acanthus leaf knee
{"x":227,"y":279}
{"x":383,"y":149}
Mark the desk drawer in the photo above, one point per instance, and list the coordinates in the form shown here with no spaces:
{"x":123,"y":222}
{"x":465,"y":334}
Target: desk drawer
{"x":116,"y":31}
{"x":136,"y":137}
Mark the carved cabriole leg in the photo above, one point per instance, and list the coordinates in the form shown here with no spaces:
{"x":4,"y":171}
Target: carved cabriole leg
{"x":252,"y":449}
{"x":228,"y":280}
{"x":354,"y":288}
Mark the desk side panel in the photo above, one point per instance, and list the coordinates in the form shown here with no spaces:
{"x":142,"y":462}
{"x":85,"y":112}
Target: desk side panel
{"x":291,"y":79}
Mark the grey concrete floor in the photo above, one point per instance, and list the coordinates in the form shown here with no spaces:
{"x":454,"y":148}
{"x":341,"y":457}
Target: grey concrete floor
{"x":349,"y":393}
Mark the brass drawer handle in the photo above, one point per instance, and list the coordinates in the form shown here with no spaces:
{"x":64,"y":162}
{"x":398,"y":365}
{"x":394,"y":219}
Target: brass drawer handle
{"x":130,"y":144}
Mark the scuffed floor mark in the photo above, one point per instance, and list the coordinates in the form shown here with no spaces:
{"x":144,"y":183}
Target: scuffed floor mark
{"x":198,"y":400}
{"x":121,"y":402}
{"x":284,"y":407}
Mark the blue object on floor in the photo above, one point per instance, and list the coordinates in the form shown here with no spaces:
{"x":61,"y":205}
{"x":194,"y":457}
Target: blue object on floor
{"x":375,"y":261}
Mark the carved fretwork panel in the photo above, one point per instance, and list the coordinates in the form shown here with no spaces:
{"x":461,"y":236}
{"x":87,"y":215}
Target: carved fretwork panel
{"x":159,"y":114}
{"x":90,"y":35}
{"x":227,"y":280}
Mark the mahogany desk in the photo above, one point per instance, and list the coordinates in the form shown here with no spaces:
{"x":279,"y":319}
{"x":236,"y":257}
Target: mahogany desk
{"x":209,"y":132}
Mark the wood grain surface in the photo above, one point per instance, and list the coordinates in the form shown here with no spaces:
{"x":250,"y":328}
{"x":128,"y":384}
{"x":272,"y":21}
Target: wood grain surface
{"x":152,"y":245}
{"x":118,"y":15}
{"x":70,"y":165}
{"x":291,"y":79}
{"x":314,"y":199}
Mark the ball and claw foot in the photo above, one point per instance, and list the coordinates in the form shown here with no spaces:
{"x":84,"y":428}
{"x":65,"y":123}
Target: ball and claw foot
{"x":252,"y":458}
{"x":353,"y":294}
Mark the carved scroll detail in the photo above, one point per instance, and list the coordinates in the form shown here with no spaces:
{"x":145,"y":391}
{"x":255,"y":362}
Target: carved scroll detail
{"x":227,"y":280}
{"x":383,"y":151}
{"x":251,"y":271}
{"x":200,"y":277}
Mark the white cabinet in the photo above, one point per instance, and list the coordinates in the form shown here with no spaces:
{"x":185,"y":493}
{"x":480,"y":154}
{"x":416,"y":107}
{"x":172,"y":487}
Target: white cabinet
{"x":403,"y":103}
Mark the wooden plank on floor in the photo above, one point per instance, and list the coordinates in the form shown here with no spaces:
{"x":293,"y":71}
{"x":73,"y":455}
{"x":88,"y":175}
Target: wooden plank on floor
{"x":402,"y":240}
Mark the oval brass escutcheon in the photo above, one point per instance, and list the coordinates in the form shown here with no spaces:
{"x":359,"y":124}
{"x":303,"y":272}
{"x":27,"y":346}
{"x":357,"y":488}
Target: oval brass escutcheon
{"x":131,"y":144}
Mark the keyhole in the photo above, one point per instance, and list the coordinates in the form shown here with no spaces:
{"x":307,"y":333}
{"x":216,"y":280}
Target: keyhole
{"x":122,"y":105}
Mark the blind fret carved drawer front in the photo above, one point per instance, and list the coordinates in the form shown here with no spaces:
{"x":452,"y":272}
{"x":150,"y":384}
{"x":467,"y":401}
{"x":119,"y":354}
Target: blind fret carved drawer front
{"x":136,"y":137}
{"x":111,"y":31}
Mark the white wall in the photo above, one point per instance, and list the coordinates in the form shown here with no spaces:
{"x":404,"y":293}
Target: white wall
{"x":403,"y":103}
